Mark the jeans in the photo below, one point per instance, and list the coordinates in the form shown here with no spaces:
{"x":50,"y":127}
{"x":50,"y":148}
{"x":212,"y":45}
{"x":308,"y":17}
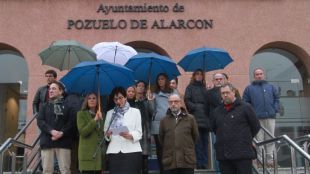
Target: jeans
{"x":202,"y":148}
{"x":269,"y":124}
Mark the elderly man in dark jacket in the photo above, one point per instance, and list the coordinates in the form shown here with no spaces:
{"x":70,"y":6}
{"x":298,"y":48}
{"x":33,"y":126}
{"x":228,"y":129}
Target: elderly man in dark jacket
{"x":235,"y":124}
{"x":178,"y":133}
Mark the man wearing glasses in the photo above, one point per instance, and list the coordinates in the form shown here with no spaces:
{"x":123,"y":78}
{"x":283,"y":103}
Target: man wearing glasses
{"x":41,"y":95}
{"x":178,"y":134}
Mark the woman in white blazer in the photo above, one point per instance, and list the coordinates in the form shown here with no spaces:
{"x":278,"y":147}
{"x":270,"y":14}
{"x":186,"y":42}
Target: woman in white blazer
{"x":123,"y":131}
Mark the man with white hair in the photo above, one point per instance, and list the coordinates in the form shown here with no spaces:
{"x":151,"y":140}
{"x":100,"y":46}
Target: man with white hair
{"x":178,"y":134}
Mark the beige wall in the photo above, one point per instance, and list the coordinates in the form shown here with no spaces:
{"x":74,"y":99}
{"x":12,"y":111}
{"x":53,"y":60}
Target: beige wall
{"x":240,"y":27}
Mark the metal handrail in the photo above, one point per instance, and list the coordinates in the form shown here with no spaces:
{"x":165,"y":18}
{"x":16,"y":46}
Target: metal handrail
{"x":14,"y":141}
{"x":298,"y":139}
{"x":9,"y":141}
{"x":267,"y":132}
{"x":25,"y":127}
{"x":280,"y":141}
{"x":287,"y":140}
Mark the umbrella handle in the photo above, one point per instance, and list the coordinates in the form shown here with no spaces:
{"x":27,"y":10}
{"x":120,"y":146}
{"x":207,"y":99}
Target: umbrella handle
{"x":99,"y":96}
{"x":149,"y":94}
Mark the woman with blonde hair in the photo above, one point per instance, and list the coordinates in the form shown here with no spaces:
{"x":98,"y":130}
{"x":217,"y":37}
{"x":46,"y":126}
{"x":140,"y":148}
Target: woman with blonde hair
{"x":90,"y":125}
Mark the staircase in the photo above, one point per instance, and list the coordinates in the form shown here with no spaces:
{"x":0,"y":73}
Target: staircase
{"x":28,"y":163}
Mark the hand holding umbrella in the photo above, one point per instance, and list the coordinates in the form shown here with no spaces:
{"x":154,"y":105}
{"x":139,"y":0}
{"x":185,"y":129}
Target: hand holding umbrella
{"x":98,"y":115}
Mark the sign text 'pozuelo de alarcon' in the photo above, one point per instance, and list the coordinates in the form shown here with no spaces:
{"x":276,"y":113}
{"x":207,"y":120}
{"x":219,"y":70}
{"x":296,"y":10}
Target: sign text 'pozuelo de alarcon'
{"x":162,"y":23}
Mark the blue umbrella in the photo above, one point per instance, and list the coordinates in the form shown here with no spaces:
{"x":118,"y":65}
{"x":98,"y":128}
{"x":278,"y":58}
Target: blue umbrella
{"x":93,"y":76}
{"x":207,"y":59}
{"x":146,"y":66}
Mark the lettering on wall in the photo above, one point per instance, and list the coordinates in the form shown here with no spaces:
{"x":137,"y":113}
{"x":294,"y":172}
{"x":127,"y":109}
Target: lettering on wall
{"x":142,"y":23}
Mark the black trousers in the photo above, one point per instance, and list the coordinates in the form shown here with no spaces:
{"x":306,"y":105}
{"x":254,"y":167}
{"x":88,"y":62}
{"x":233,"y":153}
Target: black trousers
{"x":179,"y":171}
{"x":145,"y":164}
{"x":242,"y":166}
{"x":125,"y":163}
{"x":159,"y":154}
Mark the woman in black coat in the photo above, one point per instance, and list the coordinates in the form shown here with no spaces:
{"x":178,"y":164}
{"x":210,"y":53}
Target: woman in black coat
{"x":196,"y":104}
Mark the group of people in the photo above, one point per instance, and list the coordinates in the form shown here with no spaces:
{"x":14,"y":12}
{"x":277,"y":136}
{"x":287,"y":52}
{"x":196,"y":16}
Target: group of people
{"x":82,"y":137}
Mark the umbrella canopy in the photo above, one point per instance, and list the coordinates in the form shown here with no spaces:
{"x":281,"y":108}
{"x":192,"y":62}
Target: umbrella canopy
{"x":207,"y":59}
{"x":114,"y":52}
{"x":146,"y":66}
{"x":65,"y":54}
{"x":88,"y":77}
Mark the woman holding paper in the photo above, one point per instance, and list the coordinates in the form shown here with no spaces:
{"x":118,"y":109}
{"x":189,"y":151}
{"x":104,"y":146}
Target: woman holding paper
{"x":90,"y":125}
{"x":123,"y":129}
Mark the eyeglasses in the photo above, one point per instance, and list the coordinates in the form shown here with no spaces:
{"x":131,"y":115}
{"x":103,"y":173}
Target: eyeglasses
{"x":174,"y":101}
{"x":118,"y":98}
{"x":49,"y":75}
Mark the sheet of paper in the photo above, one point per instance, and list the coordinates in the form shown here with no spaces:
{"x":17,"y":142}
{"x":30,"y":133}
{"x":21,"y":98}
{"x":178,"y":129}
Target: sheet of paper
{"x":118,"y":130}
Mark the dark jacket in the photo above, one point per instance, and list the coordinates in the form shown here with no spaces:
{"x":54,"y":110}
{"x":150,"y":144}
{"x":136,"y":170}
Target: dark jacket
{"x":234,"y":131}
{"x":48,"y":120}
{"x":146,"y":115}
{"x":214,"y":100}
{"x":178,"y":140}
{"x":39,"y":99}
{"x":195,"y":101}
{"x":74,"y":102}
{"x":263,"y":97}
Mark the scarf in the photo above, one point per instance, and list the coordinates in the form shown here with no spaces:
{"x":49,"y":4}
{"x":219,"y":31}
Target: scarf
{"x":118,"y":116}
{"x":58,"y":106}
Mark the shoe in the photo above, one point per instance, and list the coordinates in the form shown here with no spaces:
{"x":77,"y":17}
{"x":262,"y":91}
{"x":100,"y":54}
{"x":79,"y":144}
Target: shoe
{"x":201,"y":167}
{"x":258,"y":164}
{"x":270,"y":164}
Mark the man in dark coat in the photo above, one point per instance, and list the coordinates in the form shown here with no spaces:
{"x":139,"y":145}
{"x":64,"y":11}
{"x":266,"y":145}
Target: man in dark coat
{"x":55,"y":121}
{"x":235,"y":124}
{"x":178,"y":133}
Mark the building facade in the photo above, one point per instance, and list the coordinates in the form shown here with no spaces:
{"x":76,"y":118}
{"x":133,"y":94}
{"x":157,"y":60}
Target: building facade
{"x":273,"y":34}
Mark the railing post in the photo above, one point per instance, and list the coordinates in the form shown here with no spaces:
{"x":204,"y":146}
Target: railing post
{"x":211,"y":152}
{"x":275,"y":161}
{"x":1,"y":162}
{"x":13,"y":164}
{"x":25,"y":163}
{"x":306,"y":146}
{"x":264,"y":160}
{"x":293,"y":160}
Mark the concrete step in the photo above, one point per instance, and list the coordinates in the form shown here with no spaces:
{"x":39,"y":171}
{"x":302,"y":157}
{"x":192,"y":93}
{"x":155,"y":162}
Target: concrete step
{"x":150,"y":172}
{"x":283,"y":170}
